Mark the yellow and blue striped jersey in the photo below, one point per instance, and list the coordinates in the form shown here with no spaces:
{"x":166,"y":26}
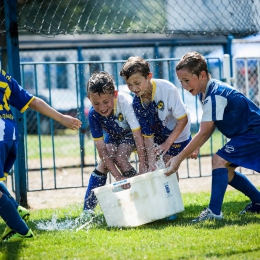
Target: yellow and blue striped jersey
{"x":11,"y":94}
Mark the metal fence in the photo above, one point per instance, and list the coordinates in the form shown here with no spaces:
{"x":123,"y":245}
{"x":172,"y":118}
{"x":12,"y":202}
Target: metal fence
{"x":246,"y":77}
{"x":58,"y":158}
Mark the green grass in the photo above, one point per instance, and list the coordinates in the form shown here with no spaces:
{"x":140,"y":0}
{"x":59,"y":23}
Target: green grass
{"x":215,"y":142}
{"x":64,"y":145}
{"x":68,"y":143}
{"x":235,"y":237}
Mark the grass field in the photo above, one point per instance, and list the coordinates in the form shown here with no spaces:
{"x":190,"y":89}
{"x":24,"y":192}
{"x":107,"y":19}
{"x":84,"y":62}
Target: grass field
{"x":68,"y":143}
{"x":235,"y":237}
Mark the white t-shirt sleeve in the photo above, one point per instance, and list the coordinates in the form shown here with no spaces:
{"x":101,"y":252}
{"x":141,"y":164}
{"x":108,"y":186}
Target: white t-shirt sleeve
{"x":128,"y":112}
{"x":213,"y":110}
{"x":177,"y":106}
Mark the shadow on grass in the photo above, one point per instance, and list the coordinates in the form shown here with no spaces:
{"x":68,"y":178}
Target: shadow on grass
{"x":231,"y":215}
{"x":9,"y":251}
{"x":230,"y":211}
{"x":232,"y":252}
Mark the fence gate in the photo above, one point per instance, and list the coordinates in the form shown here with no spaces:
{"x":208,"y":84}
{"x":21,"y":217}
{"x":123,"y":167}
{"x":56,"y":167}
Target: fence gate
{"x":246,"y":77}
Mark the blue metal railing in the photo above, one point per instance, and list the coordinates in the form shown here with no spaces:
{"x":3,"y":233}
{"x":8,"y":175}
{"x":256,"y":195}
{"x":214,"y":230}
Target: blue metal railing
{"x":44,"y":83}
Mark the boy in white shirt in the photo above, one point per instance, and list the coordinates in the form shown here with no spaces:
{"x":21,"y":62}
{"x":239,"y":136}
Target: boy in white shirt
{"x":163,"y":117}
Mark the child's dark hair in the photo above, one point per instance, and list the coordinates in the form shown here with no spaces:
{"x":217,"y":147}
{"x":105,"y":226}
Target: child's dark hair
{"x":194,"y":63}
{"x":135,"y":65}
{"x":101,"y":82}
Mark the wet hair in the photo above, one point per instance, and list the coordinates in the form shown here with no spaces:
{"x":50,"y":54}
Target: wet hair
{"x":135,"y":65}
{"x":101,"y":82}
{"x":194,"y":63}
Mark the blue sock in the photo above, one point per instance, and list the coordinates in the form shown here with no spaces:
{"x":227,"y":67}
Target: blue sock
{"x":242,"y":183}
{"x":4,"y":190}
{"x":218,"y":189}
{"x":95,"y":180}
{"x":11,"y":217}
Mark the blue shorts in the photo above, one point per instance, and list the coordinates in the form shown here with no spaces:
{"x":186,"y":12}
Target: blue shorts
{"x":176,"y":148}
{"x":8,"y":153}
{"x":128,"y":139}
{"x":243,"y":150}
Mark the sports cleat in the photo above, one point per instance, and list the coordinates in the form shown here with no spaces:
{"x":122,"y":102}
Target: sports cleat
{"x":25,"y":215}
{"x":207,"y":214}
{"x":251,"y":208}
{"x":14,"y":236}
{"x":173,"y":217}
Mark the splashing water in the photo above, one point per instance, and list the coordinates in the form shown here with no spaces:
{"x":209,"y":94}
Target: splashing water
{"x":160,"y":163}
{"x":86,"y":220}
{"x":55,"y":224}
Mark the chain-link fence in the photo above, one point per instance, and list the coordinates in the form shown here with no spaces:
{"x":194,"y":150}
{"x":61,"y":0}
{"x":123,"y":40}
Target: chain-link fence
{"x":53,"y":153}
{"x":247,"y":77}
{"x":200,"y":17}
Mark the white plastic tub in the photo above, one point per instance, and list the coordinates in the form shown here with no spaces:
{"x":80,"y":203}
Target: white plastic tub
{"x":152,"y":196}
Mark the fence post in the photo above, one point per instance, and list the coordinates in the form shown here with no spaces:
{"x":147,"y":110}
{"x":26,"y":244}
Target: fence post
{"x":156,"y":56}
{"x":226,"y":69}
{"x":82,"y":93}
{"x":14,"y":69}
{"x":228,"y":50}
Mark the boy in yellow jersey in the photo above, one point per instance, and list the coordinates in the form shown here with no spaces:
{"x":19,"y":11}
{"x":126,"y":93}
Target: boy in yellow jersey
{"x":12,"y":94}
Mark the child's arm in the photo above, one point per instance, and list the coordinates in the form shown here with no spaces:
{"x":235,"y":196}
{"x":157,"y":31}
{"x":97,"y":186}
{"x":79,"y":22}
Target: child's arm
{"x":109,"y":163}
{"x":149,"y":145}
{"x":139,"y":142}
{"x":206,"y":130}
{"x":164,"y":147}
{"x":43,"y":108}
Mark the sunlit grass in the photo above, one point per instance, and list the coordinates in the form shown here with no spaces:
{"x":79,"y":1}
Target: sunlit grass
{"x":215,"y":142}
{"x":63,"y":145}
{"x":235,"y":237}
{"x":69,"y":144}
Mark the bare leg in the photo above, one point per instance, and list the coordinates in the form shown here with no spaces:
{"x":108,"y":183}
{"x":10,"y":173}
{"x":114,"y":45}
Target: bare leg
{"x":123,"y":156}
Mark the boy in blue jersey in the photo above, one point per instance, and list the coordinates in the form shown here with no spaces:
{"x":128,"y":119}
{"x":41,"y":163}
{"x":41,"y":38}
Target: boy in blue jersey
{"x":116,"y":133}
{"x":11,"y":93}
{"x":236,"y":117}
{"x":163,"y":117}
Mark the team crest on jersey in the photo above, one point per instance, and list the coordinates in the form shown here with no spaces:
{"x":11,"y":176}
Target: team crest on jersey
{"x":120,"y":117}
{"x":160,"y":105}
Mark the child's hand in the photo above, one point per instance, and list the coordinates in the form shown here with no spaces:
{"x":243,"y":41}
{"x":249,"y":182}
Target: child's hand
{"x":152,"y":168}
{"x":71,"y":122}
{"x":161,"y":149}
{"x":173,"y":165}
{"x":142,"y":168}
{"x":194,"y":155}
{"x":125,"y":186}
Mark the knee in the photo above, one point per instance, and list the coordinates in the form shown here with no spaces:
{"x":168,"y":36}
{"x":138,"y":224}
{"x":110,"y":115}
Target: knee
{"x":231,"y":173}
{"x":218,"y":162}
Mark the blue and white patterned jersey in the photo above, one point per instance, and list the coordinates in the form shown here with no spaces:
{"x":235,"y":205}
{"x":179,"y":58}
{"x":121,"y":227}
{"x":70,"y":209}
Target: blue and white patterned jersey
{"x":233,"y":114}
{"x":160,"y":116}
{"x":119,"y":125}
{"x":11,"y":93}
